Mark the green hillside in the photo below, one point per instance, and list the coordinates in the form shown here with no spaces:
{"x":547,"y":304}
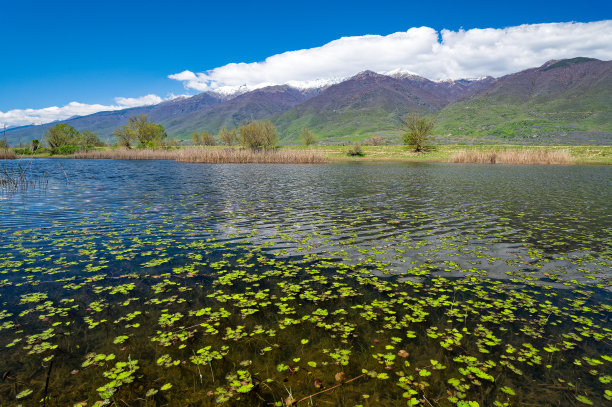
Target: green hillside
{"x":561,"y":102}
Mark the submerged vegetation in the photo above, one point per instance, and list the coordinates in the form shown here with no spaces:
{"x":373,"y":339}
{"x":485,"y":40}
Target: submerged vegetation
{"x":232,"y":305}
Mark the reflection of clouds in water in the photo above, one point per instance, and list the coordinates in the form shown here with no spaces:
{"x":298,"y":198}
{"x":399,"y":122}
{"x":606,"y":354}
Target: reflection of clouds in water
{"x":365,"y":210}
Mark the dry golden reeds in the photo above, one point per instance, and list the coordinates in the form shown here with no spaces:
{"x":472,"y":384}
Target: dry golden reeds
{"x":7,"y":154}
{"x":523,"y":156}
{"x":127,"y":154}
{"x":213,"y":156}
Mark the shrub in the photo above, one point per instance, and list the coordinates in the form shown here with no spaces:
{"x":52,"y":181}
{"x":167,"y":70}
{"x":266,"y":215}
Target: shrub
{"x":374,"y":141}
{"x":67,"y":149}
{"x":28,"y":151}
{"x":356,"y":151}
{"x":258,"y":134}
{"x":172,"y":143}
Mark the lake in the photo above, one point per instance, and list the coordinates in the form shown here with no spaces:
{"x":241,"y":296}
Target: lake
{"x":146,"y":283}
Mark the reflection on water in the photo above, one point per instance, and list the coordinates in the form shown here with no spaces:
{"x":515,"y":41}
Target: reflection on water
{"x":493,"y":279}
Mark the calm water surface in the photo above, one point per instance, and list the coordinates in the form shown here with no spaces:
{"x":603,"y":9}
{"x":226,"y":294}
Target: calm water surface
{"x":161,"y":283}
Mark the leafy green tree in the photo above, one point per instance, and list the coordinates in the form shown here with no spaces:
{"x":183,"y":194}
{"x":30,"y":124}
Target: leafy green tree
{"x":308,"y":137}
{"x":4,"y":145}
{"x":126,"y":136}
{"x":141,"y":129}
{"x":258,"y":134}
{"x":34,"y":145}
{"x":195,"y":139}
{"x":203,"y":139}
{"x":227,"y":137}
{"x":60,"y":135}
{"x":89,"y":138}
{"x":415,"y":131}
{"x":207,"y":139}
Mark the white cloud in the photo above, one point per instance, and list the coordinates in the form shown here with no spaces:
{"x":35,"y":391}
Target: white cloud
{"x":141,"y":101}
{"x":22,"y":117}
{"x":434,"y":55}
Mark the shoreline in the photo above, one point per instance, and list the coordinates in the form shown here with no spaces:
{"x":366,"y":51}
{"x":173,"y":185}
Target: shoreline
{"x":578,"y":155}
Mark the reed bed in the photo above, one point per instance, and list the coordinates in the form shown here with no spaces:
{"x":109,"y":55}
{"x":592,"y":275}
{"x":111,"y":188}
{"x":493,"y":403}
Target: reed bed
{"x":21,"y":178}
{"x":212,"y":155}
{"x":125,"y":154}
{"x":523,"y":156}
{"x":7,"y":154}
{"x":242,"y":156}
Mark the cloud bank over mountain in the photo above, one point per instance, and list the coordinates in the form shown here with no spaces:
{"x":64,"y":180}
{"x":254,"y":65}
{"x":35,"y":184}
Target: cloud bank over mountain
{"x":422,"y":50}
{"x":22,"y":117}
{"x":434,"y":55}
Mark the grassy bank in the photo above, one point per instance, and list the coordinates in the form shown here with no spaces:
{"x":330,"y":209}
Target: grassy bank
{"x":448,"y":153}
{"x":517,"y":154}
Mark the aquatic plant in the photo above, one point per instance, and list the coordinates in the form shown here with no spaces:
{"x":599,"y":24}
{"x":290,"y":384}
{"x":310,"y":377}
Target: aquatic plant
{"x":353,"y":306}
{"x":21,"y":178}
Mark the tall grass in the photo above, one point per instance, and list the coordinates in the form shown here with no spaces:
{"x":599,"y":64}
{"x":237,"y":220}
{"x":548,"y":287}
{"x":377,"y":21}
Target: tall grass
{"x":212,"y":155}
{"x":523,"y":156}
{"x":7,"y":154}
{"x":231,"y":155}
{"x":127,"y":154}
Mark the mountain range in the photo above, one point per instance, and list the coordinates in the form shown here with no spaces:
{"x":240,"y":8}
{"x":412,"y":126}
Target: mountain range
{"x":563,"y":101}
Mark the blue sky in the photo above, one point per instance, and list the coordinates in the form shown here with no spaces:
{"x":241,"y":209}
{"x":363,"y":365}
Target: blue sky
{"x":57,"y":52}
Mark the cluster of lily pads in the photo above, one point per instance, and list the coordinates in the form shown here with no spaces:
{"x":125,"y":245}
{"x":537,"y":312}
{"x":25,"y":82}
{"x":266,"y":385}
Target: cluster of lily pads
{"x":133,"y":309}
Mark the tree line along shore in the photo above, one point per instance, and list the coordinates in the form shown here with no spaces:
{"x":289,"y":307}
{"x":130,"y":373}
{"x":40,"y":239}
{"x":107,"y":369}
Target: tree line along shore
{"x":257,"y":142}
